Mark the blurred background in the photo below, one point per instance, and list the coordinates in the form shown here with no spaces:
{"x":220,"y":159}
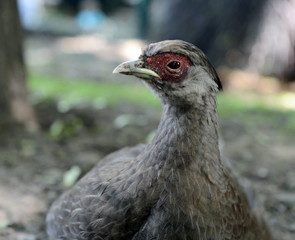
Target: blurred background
{"x":62,"y":109}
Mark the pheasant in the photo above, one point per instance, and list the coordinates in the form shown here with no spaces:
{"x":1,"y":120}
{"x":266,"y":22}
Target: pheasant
{"x":175,"y":188}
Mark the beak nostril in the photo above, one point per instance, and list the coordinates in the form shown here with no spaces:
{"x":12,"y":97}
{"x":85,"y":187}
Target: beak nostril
{"x":140,"y":64}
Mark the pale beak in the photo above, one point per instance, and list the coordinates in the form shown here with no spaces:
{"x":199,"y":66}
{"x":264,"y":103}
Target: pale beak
{"x":137,"y":69}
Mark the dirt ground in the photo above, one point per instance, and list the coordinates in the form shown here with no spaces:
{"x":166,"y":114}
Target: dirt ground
{"x":33,"y":166}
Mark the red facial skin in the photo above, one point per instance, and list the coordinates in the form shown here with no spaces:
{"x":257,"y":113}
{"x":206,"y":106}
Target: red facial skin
{"x":171,"y":67}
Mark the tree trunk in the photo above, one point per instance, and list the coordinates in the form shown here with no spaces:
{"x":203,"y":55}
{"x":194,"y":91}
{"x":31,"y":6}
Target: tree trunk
{"x":14,"y":106}
{"x":273,"y":51}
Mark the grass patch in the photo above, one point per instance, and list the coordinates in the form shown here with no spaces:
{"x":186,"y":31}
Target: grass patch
{"x":259,"y":112}
{"x":72,"y":93}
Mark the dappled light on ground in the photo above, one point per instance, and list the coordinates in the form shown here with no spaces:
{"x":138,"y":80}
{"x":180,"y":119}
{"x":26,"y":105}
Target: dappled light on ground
{"x":98,"y":45}
{"x":253,"y":88}
{"x":288,"y":100}
{"x":241,"y":80}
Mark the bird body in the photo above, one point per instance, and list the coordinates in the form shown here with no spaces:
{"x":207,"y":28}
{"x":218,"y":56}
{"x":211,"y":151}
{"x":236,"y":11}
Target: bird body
{"x":176,"y":187}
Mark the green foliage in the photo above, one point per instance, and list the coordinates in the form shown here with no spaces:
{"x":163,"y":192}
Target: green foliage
{"x":3,"y":224}
{"x":290,"y":124}
{"x":254,"y":108}
{"x":71,"y":176}
{"x":60,"y":129}
{"x":28,"y":147}
{"x":229,"y":104}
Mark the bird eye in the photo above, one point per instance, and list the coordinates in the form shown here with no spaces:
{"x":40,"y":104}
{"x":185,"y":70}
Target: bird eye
{"x":173,"y":65}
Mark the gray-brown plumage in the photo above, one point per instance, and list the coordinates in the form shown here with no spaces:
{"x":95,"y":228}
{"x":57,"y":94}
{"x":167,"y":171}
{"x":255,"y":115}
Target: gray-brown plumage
{"x":176,"y":187}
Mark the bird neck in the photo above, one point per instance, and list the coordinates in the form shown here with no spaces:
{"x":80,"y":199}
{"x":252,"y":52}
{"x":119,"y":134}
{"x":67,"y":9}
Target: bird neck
{"x":186,"y":136}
